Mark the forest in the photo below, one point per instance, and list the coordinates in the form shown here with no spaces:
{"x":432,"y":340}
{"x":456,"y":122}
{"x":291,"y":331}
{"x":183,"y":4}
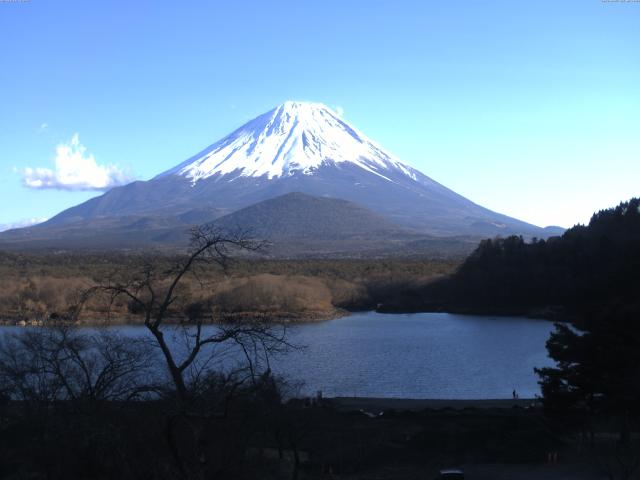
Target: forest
{"x":588,"y":270}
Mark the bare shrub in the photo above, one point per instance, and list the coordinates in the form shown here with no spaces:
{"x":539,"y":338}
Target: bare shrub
{"x":274,"y":294}
{"x":42,"y":365}
{"x":345,"y":294}
{"x":37,"y":298}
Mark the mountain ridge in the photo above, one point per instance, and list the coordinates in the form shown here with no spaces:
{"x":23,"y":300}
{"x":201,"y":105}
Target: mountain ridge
{"x":297,"y":215}
{"x":295,"y":225}
{"x":296,"y":147}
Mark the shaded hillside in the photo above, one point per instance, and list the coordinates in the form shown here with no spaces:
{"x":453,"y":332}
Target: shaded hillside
{"x":297,"y":215}
{"x":297,"y":226}
{"x":125,"y":232}
{"x":424,"y":206}
{"x":588,"y":269}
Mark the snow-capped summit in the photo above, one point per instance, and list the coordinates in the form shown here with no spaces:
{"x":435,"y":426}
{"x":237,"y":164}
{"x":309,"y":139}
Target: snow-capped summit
{"x":296,"y":148}
{"x":293,"y":137}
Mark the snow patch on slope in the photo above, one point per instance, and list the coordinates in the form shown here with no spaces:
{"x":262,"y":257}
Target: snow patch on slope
{"x":294,"y":137}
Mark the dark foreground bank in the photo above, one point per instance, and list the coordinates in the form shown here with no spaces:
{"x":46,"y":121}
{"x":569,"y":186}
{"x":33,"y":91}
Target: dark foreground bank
{"x":369,"y":404}
{"x":258,"y":436}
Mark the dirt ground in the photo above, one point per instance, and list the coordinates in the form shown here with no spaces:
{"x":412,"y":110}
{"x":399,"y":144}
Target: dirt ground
{"x":532,"y":472}
{"x":567,"y":467}
{"x":375,"y":405}
{"x":569,"y":471}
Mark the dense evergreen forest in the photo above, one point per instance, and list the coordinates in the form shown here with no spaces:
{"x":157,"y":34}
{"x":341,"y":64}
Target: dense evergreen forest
{"x":588,"y":270}
{"x":589,"y":276}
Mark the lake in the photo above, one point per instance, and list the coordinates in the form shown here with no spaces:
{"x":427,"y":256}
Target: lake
{"x":418,"y":355}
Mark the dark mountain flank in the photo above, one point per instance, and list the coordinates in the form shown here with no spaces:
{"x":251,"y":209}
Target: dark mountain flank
{"x":301,"y":216}
{"x":296,"y":147}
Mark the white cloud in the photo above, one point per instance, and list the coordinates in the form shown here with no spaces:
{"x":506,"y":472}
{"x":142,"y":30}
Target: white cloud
{"x":27,"y":222}
{"x":339,"y":110}
{"x":75,"y":170}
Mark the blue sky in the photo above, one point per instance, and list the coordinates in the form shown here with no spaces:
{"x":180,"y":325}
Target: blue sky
{"x":529,"y":108}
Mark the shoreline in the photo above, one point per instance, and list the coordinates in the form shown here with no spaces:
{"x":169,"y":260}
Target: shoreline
{"x":378,"y":405}
{"x":554,"y":313}
{"x":289,"y":318}
{"x":286,"y":318}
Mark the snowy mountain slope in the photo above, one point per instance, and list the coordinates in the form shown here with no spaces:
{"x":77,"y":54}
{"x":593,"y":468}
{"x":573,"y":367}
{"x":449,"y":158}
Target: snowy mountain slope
{"x":294,"y":137}
{"x":297,"y":147}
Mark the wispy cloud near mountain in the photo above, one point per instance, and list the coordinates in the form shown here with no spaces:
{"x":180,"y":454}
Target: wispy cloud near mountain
{"x":27,"y":222}
{"x":75,"y":169}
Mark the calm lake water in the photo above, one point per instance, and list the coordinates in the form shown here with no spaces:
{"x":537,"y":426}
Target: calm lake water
{"x":419,"y":355}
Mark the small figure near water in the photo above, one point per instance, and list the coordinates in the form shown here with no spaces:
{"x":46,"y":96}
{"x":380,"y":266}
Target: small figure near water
{"x":515,"y":395}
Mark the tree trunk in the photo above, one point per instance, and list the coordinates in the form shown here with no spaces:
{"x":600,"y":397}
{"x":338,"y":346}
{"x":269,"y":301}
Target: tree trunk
{"x":176,"y":375}
{"x":625,"y":429}
{"x":296,"y":458}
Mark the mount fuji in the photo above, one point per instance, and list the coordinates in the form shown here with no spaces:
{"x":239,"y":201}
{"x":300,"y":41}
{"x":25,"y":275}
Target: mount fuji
{"x":298,"y":147}
{"x":296,"y":137}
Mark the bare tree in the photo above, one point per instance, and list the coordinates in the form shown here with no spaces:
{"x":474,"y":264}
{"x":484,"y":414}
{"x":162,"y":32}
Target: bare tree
{"x":43,"y":365}
{"x":618,"y":460}
{"x":152,"y":293}
{"x":190,"y":348}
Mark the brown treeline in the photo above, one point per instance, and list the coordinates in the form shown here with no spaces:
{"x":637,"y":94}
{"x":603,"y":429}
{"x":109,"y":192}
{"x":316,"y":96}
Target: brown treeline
{"x":35,"y":288}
